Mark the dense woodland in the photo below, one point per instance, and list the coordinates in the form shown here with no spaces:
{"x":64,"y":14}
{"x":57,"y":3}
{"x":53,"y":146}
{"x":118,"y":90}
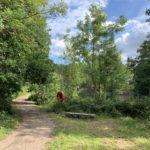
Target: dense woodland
{"x":94,"y":81}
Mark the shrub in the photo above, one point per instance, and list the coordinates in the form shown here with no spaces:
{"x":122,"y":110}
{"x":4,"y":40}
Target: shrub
{"x":39,"y":94}
{"x":76,"y":104}
{"x":5,"y":105}
{"x":133,"y":108}
{"x":44,"y":93}
{"x":38,"y":98}
{"x":6,"y":120}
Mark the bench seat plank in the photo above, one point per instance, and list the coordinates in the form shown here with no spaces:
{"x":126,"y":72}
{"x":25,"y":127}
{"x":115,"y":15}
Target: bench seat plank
{"x":78,"y":115}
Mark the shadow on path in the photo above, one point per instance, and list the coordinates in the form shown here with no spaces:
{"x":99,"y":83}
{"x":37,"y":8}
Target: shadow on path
{"x":34,"y":132}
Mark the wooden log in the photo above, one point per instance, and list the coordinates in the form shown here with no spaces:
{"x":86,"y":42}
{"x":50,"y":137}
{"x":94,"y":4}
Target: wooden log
{"x":79,"y":115}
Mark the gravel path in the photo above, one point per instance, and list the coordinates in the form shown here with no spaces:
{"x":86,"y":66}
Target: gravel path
{"x":35,"y":131}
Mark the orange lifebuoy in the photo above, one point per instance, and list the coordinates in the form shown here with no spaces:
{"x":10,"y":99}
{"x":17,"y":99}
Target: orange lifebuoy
{"x":60,"y":96}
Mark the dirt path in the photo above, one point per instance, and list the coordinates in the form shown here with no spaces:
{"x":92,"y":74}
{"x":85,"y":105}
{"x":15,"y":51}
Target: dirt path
{"x":34,"y":132}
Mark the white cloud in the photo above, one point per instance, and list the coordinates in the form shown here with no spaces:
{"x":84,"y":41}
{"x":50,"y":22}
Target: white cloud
{"x":57,"y":47}
{"x":132,"y":38}
{"x":109,"y":23}
{"x":58,"y":43}
{"x":128,"y":41}
{"x":123,"y":38}
{"x":124,"y":58}
{"x":77,"y":11}
{"x":136,"y":32}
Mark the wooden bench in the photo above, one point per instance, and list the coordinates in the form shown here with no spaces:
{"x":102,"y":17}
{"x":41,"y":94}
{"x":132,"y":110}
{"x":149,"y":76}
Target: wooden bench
{"x":79,"y":115}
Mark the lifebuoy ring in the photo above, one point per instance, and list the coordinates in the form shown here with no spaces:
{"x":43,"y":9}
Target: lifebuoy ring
{"x":60,"y":96}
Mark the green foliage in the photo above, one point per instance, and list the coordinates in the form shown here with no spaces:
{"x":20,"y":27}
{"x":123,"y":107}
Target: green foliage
{"x":54,"y":85}
{"x":70,"y":78}
{"x":6,"y":120}
{"x":18,"y":39}
{"x":7,"y":123}
{"x":23,"y":37}
{"x":1,"y":23}
{"x":56,"y":9}
{"x":133,"y":108}
{"x":38,"y":69}
{"x":142,"y":69}
{"x":40,"y":94}
{"x":75,"y":105}
{"x":44,"y":93}
{"x":148,"y":13}
{"x":24,"y":91}
{"x":96,"y":80}
{"x":104,"y":133}
{"x":94,"y":46}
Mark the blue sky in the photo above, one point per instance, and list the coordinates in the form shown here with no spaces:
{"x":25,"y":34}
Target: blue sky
{"x":127,"y":41}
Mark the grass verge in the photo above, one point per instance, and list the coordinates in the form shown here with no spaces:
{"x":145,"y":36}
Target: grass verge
{"x":102,"y":133}
{"x":8,"y":123}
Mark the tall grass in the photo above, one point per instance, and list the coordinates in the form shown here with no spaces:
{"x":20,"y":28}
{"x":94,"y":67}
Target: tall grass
{"x":7,"y":123}
{"x":103,"y":133}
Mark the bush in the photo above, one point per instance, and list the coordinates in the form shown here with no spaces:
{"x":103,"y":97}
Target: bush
{"x":44,"y":93}
{"x":6,"y":120}
{"x":76,"y":104}
{"x":38,"y":98}
{"x":5,"y":105}
{"x":9,"y":84}
{"x":39,"y":94}
{"x":133,"y":108}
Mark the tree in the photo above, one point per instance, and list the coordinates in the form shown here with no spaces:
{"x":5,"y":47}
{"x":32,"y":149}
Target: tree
{"x":22,"y":33}
{"x":72,"y":79}
{"x":142,"y":68}
{"x":148,"y":14}
{"x":38,"y":69}
{"x":94,"y":45}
